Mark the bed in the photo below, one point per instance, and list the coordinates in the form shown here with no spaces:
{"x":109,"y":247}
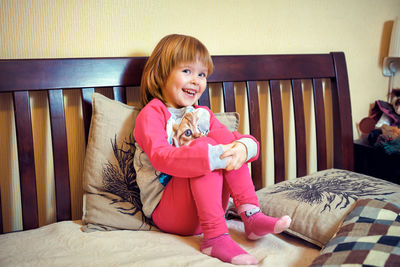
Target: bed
{"x":339,"y":216}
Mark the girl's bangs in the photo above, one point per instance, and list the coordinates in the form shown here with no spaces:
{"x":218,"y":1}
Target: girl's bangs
{"x":193,"y":51}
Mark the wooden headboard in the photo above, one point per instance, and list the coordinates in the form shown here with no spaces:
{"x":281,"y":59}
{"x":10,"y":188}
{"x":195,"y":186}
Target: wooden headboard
{"x":20,"y":77}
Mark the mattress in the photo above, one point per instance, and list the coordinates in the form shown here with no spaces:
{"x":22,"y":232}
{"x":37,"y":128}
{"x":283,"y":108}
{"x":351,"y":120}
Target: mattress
{"x":65,"y":244}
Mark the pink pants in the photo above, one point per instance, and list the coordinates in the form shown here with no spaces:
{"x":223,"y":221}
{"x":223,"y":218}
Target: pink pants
{"x":194,"y":205}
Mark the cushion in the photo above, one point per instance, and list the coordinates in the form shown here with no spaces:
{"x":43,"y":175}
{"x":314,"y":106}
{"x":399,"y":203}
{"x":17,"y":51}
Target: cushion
{"x":111,"y":197}
{"x":229,"y":119}
{"x":369,"y":236}
{"x":319,"y":202}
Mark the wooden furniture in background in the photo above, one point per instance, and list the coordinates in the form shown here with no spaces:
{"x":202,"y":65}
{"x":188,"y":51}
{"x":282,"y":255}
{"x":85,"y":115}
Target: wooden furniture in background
{"x":375,"y":162}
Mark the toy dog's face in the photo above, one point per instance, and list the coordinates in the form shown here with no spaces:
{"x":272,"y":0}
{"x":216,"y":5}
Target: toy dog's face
{"x":396,"y":100}
{"x":187,"y":130}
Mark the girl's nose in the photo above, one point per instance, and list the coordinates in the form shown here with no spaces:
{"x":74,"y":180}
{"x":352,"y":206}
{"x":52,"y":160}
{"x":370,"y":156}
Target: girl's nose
{"x":195,"y":80}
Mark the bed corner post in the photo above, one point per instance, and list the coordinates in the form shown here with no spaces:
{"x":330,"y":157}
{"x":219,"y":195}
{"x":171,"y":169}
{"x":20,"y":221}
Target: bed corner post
{"x":342,"y":117}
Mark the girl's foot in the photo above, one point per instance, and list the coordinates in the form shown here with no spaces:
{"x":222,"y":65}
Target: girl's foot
{"x":257,"y":224}
{"x":225,"y":249}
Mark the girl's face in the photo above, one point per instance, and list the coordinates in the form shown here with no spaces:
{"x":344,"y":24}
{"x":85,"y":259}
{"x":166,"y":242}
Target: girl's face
{"x":185,"y":84}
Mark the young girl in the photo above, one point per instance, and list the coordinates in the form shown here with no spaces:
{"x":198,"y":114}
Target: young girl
{"x":206,"y":171}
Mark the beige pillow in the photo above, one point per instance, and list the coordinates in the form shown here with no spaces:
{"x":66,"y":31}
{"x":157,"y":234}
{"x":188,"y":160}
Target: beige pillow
{"x":229,"y":119}
{"x":111,"y":196}
{"x":318,"y":203}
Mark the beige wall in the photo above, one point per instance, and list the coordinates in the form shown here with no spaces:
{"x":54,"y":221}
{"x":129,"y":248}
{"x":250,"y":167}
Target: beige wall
{"x":96,"y":28}
{"x":113,"y":28}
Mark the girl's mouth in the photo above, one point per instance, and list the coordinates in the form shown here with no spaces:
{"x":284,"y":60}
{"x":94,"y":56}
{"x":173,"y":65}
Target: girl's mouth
{"x":190,"y":92}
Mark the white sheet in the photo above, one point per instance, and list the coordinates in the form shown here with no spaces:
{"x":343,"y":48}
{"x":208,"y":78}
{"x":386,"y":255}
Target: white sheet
{"x":64,"y":244}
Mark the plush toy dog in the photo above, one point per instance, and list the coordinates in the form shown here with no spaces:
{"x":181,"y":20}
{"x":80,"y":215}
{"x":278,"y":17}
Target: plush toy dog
{"x":396,"y":100}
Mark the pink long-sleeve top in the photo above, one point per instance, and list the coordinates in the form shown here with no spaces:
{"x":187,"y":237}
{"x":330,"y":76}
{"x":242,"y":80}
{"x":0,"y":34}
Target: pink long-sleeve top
{"x":153,"y":148}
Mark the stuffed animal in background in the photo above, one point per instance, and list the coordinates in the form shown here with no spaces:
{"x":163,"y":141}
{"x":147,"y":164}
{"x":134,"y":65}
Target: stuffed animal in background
{"x":396,"y":100}
{"x":383,"y":125}
{"x":383,"y":113}
{"x":389,"y":139}
{"x":392,"y":132}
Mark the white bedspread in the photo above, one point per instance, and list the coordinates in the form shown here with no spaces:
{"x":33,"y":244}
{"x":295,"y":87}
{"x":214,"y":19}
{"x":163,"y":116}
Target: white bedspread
{"x":64,"y":244}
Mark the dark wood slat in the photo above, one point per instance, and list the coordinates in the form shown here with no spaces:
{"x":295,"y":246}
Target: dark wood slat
{"x":343,"y":125}
{"x":204,"y":100}
{"x":87,"y":109}
{"x":337,"y":140}
{"x":229,"y":96}
{"x":300,"y":130}
{"x":60,"y":155}
{"x":1,"y":217}
{"x":255,"y":130}
{"x":320,"y":127}
{"x":277,"y":125}
{"x":119,"y":94}
{"x":26,"y":160}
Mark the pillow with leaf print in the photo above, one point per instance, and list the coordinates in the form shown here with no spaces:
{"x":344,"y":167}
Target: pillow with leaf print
{"x":111,"y":195}
{"x":318,"y":203}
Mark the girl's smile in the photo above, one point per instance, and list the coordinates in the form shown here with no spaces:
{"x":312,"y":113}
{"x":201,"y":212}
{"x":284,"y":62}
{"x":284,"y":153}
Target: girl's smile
{"x":185,"y":84}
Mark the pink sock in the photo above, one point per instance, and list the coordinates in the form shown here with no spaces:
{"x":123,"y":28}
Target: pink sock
{"x":225,"y":249}
{"x":257,"y":224}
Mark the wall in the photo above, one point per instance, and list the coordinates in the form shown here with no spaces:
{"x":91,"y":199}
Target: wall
{"x":97,"y":28}
{"x":113,"y":28}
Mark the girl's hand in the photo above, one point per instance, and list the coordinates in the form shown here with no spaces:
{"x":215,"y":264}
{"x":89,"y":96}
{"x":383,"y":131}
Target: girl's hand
{"x":235,"y":154}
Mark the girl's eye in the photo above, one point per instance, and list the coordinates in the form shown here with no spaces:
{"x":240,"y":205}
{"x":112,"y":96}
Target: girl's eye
{"x":202,"y":75}
{"x":187,"y":71}
{"x":188,"y":132}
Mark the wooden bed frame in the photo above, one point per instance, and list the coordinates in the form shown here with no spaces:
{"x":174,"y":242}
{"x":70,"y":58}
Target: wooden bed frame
{"x":20,"y":77}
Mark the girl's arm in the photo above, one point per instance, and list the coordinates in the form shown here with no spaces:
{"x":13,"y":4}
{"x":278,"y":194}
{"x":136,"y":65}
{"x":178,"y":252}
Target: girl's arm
{"x":150,"y":134}
{"x":252,"y":145}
